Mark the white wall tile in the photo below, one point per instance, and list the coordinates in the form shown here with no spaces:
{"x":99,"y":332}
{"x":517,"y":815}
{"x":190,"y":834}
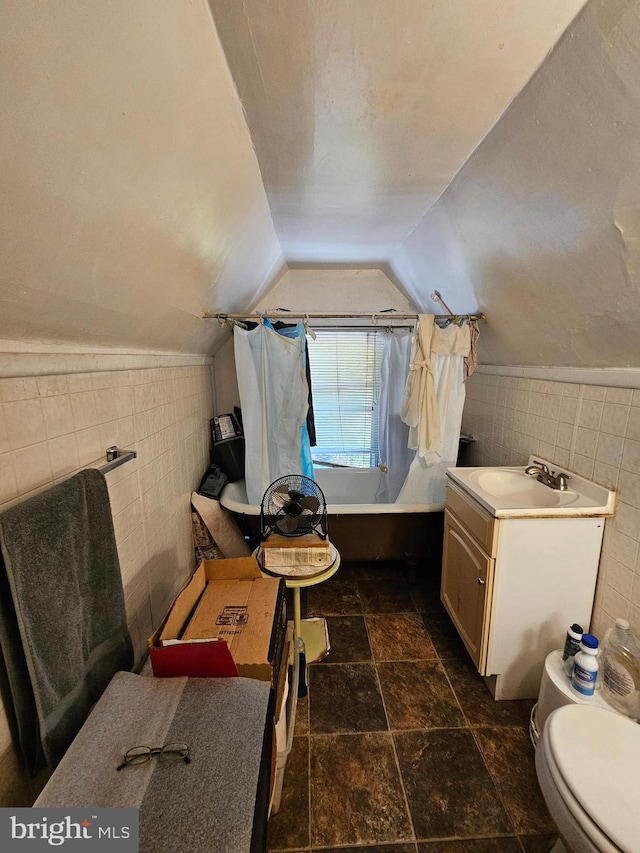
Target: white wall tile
{"x":24,"y":423}
{"x":568,"y":409}
{"x":90,"y":447}
{"x":586,"y":442}
{"x":105,"y":402}
{"x":52,"y":386}
{"x":4,"y":438}
{"x":593,"y":392}
{"x":8,"y":484}
{"x":564,"y":436}
{"x":597,"y":436}
{"x":58,"y":415}
{"x":590,"y":414}
{"x":619,"y":395}
{"x":32,"y":467}
{"x":627,"y":519}
{"x":63,"y":455}
{"x":609,"y":449}
{"x":631,"y":456}
{"x":79,"y":382}
{"x":629,"y":485}
{"x":85,"y":414}
{"x":78,"y":414}
{"x":633,"y":424}
{"x":615,"y":418}
{"x":22,"y":388}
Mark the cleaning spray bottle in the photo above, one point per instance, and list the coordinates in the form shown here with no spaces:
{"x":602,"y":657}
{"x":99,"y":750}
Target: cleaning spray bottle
{"x":621,"y":669}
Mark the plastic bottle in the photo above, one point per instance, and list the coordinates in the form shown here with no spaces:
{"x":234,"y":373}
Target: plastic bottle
{"x":585,"y":666}
{"x":572,"y":642}
{"x":621,"y":669}
{"x":571,"y":648}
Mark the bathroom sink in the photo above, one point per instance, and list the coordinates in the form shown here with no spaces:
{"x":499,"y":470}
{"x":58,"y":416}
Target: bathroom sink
{"x":508,"y":491}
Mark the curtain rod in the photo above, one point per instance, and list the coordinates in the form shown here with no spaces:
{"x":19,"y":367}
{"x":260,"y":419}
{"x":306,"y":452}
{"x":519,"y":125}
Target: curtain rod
{"x":291,"y":315}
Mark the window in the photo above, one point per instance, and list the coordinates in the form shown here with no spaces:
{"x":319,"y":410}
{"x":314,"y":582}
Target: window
{"x":345,"y":378}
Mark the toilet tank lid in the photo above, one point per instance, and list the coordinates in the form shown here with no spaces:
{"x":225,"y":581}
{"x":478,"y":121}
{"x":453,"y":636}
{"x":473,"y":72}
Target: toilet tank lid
{"x":597,"y":752}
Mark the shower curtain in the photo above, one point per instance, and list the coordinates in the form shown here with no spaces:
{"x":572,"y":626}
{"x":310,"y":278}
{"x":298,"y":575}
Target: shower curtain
{"x":393,"y":434}
{"x":435,"y":390}
{"x":274,"y":399}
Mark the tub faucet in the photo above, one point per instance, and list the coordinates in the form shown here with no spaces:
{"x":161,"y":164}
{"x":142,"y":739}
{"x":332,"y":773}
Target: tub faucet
{"x":541,"y":472}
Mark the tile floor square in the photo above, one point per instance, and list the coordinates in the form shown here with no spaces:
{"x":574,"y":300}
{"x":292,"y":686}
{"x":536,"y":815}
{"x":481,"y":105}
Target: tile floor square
{"x":417,"y":695}
{"x":356,"y":792}
{"x":449,"y":789}
{"x":345,"y":697}
{"x":466,"y":782}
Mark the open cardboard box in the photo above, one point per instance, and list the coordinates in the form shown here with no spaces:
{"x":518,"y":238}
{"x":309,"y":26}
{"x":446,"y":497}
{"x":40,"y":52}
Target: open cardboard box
{"x":227,"y":620}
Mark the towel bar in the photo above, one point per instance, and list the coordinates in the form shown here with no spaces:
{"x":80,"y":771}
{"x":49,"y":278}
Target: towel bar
{"x":115,"y":457}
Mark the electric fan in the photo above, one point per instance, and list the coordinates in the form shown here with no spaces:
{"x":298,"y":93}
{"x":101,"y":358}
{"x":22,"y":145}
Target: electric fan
{"x":292,"y":506}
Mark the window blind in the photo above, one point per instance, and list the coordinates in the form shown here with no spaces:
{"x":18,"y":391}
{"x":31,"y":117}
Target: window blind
{"x":345,"y":378}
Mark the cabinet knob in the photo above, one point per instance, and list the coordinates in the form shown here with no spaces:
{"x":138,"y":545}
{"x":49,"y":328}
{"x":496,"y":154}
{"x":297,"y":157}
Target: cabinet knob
{"x":481,"y":581}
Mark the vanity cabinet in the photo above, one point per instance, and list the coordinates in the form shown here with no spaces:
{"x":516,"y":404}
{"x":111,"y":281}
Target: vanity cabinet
{"x":512,"y":586}
{"x":467,"y":585}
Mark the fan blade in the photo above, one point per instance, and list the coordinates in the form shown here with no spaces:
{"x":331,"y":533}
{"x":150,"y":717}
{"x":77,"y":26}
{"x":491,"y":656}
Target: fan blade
{"x":280,"y":496}
{"x":310,"y":502}
{"x":287,"y":523}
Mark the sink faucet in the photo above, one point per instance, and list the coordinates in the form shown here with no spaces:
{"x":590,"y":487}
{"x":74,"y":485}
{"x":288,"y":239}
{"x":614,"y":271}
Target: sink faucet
{"x":541,"y":472}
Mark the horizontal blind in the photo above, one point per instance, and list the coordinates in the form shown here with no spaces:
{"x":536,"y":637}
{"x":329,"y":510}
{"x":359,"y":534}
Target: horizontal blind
{"x":345,"y":379}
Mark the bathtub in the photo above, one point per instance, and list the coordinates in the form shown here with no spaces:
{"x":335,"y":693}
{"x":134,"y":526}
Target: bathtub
{"x":360,"y":528}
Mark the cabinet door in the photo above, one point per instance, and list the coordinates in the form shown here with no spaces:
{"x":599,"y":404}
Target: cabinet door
{"x":467,"y":580}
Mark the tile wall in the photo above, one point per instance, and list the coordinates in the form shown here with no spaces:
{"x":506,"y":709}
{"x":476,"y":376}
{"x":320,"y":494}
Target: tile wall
{"x":53,"y":425}
{"x":592,"y":430}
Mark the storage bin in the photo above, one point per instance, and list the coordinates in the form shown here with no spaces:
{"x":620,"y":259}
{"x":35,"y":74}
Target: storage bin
{"x":228,"y":454}
{"x":285,"y":726}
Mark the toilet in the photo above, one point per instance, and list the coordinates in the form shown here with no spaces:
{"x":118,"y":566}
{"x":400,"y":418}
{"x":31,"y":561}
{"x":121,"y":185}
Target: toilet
{"x":588,"y":767}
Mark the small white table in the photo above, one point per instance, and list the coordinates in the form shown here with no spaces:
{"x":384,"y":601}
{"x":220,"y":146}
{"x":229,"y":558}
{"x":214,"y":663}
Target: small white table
{"x":313,"y":632}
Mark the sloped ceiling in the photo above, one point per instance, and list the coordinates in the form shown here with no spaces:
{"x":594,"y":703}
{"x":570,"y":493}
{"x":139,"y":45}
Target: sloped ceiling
{"x":362,"y":111}
{"x":160,"y":160}
{"x":542,"y":223}
{"x":131,"y":198}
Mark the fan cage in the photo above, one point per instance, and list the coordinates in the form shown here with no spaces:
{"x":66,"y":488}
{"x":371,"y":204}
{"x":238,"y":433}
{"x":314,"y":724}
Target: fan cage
{"x":272,"y":515}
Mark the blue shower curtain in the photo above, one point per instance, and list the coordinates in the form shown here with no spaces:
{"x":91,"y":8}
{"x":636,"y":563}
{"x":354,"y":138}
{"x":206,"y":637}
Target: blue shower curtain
{"x":270,"y":367}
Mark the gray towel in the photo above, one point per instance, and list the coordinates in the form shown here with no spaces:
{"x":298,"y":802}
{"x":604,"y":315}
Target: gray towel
{"x":63,"y":629}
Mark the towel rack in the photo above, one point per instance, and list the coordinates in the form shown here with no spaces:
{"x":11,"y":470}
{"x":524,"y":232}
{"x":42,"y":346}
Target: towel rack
{"x":115,"y":458}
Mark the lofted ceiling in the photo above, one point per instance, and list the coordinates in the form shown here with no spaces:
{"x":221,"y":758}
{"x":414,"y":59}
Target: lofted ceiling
{"x":162,"y":160}
{"x":362,"y":111}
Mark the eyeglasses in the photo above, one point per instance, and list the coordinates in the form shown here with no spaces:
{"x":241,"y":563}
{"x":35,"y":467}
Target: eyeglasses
{"x":168,"y":752}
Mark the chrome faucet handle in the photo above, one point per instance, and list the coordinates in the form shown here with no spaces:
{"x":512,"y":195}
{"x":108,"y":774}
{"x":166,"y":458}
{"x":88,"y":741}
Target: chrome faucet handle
{"x":561,"y":479}
{"x":537,"y":468}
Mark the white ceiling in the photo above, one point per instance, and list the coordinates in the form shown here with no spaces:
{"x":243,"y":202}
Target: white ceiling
{"x":156,"y":163}
{"x":362,"y":111}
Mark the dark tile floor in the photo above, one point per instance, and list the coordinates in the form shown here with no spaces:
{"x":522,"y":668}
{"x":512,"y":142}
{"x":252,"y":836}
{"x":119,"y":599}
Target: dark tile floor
{"x":399,"y":746}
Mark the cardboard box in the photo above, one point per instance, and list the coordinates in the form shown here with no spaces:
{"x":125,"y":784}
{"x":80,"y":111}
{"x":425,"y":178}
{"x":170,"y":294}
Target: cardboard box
{"x":285,"y":552}
{"x":239,"y":629}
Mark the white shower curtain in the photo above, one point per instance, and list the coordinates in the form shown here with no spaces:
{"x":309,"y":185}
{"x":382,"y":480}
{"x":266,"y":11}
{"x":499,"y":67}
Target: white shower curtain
{"x":426,"y":481}
{"x":393,"y":434}
{"x":274,"y":400}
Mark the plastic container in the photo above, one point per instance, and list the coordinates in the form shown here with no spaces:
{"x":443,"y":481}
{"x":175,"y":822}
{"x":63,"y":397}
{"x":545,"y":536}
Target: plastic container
{"x":572,"y":642}
{"x":621,"y":669}
{"x":228,"y":454}
{"x":571,"y":647}
{"x":585,"y":666}
{"x":284,"y":729}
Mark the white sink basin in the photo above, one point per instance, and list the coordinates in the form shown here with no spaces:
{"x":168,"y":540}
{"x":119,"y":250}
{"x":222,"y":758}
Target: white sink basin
{"x":508,"y":491}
